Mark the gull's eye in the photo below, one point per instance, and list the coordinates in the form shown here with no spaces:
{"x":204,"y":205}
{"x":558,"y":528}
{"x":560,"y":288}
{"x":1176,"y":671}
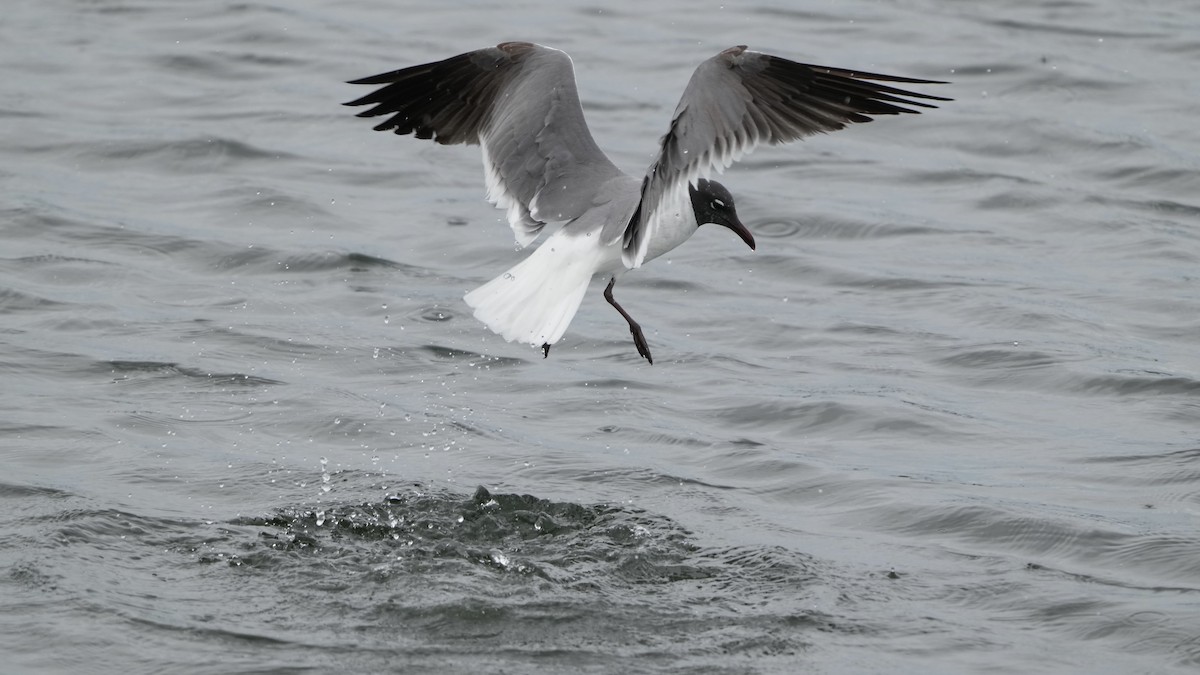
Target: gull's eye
{"x":717,"y":205}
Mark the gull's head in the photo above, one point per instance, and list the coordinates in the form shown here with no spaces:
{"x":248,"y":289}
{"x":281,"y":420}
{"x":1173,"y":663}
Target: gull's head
{"x":713,"y":204}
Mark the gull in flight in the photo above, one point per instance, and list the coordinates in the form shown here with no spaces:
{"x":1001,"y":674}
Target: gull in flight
{"x":519,"y":103}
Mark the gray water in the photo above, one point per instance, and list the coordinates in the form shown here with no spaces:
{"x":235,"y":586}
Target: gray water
{"x":946,"y":419}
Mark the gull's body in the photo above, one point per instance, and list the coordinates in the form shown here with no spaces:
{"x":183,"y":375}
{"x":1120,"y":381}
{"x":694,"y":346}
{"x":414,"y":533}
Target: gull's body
{"x":518,"y":101}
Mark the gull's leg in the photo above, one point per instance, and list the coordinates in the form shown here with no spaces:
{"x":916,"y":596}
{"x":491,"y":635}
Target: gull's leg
{"x":639,"y":340}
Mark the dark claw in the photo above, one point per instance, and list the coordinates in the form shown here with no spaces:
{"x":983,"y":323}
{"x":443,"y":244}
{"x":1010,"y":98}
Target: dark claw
{"x":545,"y":349}
{"x":639,"y":341}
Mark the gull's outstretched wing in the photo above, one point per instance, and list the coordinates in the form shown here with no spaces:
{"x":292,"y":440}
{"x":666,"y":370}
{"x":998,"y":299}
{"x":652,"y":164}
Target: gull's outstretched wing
{"x":518,"y":101}
{"x":740,"y":99}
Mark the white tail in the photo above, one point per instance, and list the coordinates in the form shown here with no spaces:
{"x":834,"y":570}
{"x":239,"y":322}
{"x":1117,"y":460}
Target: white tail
{"x":535,"y":301}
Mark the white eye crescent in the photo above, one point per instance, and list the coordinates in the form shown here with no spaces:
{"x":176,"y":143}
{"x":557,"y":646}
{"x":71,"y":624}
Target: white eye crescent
{"x":717,"y":204}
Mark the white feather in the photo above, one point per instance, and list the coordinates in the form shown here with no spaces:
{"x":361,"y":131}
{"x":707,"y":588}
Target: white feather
{"x":535,"y":301}
{"x":672,"y":222}
{"x":524,"y":227}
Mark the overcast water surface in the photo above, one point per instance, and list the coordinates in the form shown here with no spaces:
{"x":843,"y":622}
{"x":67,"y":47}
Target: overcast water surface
{"x":945,"y":419}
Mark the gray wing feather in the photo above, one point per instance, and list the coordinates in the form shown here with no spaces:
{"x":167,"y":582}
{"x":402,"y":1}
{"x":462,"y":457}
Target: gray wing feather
{"x":519,"y":102}
{"x":740,"y":99}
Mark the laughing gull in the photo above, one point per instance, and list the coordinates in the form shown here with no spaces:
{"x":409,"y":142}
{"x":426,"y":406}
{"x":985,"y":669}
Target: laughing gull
{"x":519,"y":103}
